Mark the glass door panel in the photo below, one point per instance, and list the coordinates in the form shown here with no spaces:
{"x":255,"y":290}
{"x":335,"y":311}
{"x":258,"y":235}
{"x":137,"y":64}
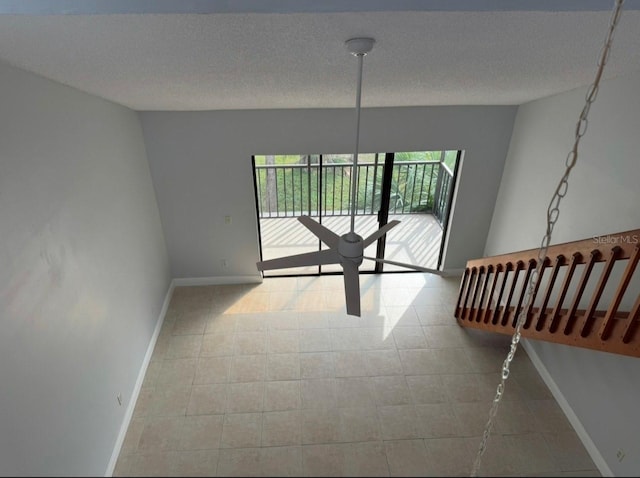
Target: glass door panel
{"x":420,"y":190}
{"x":286,"y":187}
{"x":337,"y":182}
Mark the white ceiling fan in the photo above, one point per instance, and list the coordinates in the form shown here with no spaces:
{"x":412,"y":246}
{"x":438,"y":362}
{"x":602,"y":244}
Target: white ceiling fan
{"x":347,"y":249}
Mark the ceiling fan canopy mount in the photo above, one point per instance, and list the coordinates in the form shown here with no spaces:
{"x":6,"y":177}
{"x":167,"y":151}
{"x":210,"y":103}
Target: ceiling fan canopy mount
{"x":360,"y":46}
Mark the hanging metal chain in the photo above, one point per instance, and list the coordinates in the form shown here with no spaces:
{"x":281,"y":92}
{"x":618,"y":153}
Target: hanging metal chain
{"x":553,"y":212}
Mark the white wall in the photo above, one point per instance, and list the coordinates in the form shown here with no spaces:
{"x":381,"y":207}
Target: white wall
{"x":201,"y":168}
{"x":603,"y":197}
{"x":83,"y":274}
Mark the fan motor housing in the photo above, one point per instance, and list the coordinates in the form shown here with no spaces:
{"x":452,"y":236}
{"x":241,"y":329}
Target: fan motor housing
{"x":351,"y":247}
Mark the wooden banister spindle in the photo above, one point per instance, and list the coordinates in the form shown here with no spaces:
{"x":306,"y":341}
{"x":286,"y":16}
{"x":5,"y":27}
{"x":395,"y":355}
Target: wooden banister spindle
{"x":555,"y":317}
{"x":473,"y":307}
{"x":542,"y":313}
{"x":536,"y":288}
{"x":632,"y":322}
{"x":508,"y":268}
{"x":571,"y":313}
{"x":514,"y":281}
{"x":609,"y":318}
{"x":463,"y":284}
{"x":479,"y":308}
{"x":595,"y":298}
{"x":523,"y":290}
{"x":494,"y":282}
{"x":465,"y":306}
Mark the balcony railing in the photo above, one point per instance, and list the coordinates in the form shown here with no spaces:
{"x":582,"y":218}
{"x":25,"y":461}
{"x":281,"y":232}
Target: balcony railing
{"x":294,"y":189}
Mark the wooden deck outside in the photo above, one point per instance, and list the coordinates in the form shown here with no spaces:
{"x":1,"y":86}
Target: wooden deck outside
{"x":416,"y":240}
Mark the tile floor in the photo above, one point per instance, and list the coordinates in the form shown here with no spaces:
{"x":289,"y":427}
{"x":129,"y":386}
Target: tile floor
{"x":275,"y":379}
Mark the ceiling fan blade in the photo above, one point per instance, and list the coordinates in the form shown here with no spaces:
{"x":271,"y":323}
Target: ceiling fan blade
{"x":351,"y":287}
{"x":325,"y":235}
{"x":328,"y":256}
{"x":403,"y":264}
{"x":379,"y":233}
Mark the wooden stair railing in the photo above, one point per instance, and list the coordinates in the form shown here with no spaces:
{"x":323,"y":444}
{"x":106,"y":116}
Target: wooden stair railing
{"x":492,"y":292}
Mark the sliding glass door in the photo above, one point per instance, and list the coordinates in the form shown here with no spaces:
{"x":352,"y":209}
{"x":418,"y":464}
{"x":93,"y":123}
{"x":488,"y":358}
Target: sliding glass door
{"x":413,"y":187}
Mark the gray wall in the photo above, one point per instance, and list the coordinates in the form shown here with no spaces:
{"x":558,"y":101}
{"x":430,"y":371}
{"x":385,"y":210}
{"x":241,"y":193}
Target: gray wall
{"x":201,"y":168}
{"x":83,"y":274}
{"x":602,"y":389}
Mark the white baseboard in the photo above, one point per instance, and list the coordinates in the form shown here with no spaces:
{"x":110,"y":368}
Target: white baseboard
{"x":218,"y":280}
{"x":584,"y":437}
{"x":136,"y":389}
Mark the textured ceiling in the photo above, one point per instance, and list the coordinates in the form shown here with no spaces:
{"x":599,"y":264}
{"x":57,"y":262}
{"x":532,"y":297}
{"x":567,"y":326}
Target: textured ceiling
{"x":184,"y":61}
